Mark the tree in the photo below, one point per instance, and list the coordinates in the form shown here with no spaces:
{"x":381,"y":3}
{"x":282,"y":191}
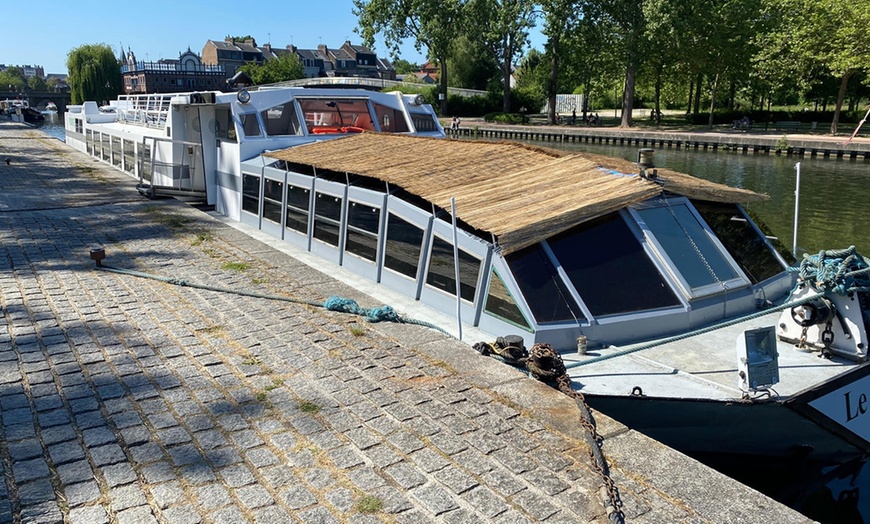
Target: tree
{"x":35,"y":83}
{"x":93,"y":73}
{"x":628,"y":22}
{"x":431,"y":23}
{"x":402,"y":66}
{"x":12,"y":79}
{"x":560,"y":17}
{"x":470,"y":65}
{"x":285,"y":67}
{"x":502,"y":26}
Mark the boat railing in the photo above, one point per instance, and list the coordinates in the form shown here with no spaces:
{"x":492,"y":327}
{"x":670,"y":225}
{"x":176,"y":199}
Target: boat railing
{"x":145,"y":110}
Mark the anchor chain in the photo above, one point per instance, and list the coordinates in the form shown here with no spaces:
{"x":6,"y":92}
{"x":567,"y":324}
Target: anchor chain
{"x":545,"y":364}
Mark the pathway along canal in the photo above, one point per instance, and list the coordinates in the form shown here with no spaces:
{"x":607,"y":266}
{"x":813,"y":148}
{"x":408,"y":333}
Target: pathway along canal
{"x":834,"y":213}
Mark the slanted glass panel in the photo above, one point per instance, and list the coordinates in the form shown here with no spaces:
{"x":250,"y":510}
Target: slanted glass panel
{"x":390,"y":120}
{"x":224,"y":126}
{"x":688,"y":245}
{"x":106,"y":146}
{"x":404,"y":241}
{"x":609,"y":268}
{"x":281,"y":120}
{"x":742,"y":241}
{"x":273,"y":192}
{"x":424,"y":122}
{"x":500,"y":303}
{"x":363,"y":222}
{"x":250,"y":124}
{"x":89,"y":139}
{"x":327,"y":218}
{"x":546,"y":294}
{"x":441,"y":274}
{"x":116,"y":151}
{"x":297,"y":209}
{"x":251,"y":194}
{"x":330,"y":115}
{"x":146,"y":162}
{"x":129,"y":156}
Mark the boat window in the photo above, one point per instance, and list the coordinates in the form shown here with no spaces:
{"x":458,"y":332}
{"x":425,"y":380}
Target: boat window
{"x":424,"y":122}
{"x":403,"y":245}
{"x":116,"y":151}
{"x":129,"y":156}
{"x":334,"y":115}
{"x":501,"y":304}
{"x":146,"y":162}
{"x":297,"y":209}
{"x":689,"y":246}
{"x":610,"y":269}
{"x":327,"y":218}
{"x":390,"y":120}
{"x":281,"y":120}
{"x":545,"y":292}
{"x":250,"y":124}
{"x":106,"y":146}
{"x":224,"y":126}
{"x":441,"y":274}
{"x":742,"y":241}
{"x":363,"y":222}
{"x":251,"y":194}
{"x":273,"y":192}
{"x":89,"y":139}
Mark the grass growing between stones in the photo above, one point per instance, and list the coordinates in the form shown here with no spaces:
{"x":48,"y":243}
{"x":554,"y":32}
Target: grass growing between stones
{"x":369,"y":504}
{"x":308,"y":407}
{"x":235,"y":266}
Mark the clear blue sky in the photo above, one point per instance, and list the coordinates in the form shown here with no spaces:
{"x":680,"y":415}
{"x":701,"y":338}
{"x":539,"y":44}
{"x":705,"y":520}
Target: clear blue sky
{"x":157,"y":29}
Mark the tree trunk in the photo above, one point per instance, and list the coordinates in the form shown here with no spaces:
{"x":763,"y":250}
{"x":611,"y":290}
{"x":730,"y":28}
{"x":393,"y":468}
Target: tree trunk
{"x":658,"y":94}
{"x":732,"y":89}
{"x":554,"y":78}
{"x":443,"y":91}
{"x":691,"y":93}
{"x":697,"y":108}
{"x":628,"y":96}
{"x":840,"y":96}
{"x":713,"y":101}
{"x":506,"y":78}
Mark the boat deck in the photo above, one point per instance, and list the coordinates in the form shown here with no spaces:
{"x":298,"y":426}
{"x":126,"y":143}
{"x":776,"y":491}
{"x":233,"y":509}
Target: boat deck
{"x":702,"y":367}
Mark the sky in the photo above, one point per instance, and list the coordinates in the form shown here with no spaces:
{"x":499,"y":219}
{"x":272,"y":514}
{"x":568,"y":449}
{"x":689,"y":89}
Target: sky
{"x":164,"y":29}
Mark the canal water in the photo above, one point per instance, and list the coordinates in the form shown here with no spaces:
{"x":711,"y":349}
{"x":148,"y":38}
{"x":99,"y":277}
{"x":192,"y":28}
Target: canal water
{"x":833,"y":213}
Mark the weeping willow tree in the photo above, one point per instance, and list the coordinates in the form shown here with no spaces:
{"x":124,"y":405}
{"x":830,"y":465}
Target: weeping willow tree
{"x":94,"y":73}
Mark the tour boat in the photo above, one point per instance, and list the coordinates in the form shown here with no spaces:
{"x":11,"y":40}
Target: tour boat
{"x":674,"y":310}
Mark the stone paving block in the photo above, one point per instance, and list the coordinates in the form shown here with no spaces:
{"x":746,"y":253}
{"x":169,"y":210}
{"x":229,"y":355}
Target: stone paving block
{"x":158,"y":472}
{"x":455,"y":479}
{"x":297,"y":497}
{"x":223,"y":457}
{"x":43,"y":513}
{"x":185,"y":514}
{"x":435,"y":499}
{"x":135,"y":435}
{"x":118,"y":474}
{"x":272,"y":515}
{"x":253,"y":497}
{"x":28,"y":470}
{"x":82,"y":493}
{"x":78,"y":471}
{"x":126,"y":497}
{"x":319,"y":515}
{"x":98,"y":436}
{"x":261,"y":457}
{"x":89,"y":515}
{"x":211,"y":497}
{"x":137,"y":515}
{"x":198,"y":474}
{"x":36,"y":492}
{"x":24,"y":450}
{"x":146,"y":453}
{"x":502,"y":482}
{"x":167,"y":494}
{"x":237,"y":475}
{"x":405,"y":475}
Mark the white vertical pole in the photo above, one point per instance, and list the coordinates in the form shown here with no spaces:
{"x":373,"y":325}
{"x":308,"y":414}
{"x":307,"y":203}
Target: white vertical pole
{"x":456,"y":266}
{"x":797,"y":198}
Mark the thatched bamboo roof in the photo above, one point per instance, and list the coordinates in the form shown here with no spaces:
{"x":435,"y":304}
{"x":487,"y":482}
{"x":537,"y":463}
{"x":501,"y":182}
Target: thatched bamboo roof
{"x":518,"y":193}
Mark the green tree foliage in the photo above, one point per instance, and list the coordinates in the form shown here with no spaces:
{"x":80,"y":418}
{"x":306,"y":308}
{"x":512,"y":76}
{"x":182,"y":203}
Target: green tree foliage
{"x":14,"y":78}
{"x":93,"y":73}
{"x":430,"y":23}
{"x":403,"y":66}
{"x":470,"y":65}
{"x":286,"y":67}
{"x":560,"y":19}
{"x":502,"y":26}
{"x":35,"y":83}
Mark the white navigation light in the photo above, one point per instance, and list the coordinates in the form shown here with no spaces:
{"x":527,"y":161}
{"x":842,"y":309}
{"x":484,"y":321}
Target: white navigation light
{"x":757,"y":359}
{"x":243,"y":96}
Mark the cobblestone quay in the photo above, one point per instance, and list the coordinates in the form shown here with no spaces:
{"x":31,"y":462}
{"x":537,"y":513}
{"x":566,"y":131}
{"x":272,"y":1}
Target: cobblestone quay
{"x":127,"y":400}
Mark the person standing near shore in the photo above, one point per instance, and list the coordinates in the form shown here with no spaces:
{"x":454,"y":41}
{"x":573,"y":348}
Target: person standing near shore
{"x":454,"y":125}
